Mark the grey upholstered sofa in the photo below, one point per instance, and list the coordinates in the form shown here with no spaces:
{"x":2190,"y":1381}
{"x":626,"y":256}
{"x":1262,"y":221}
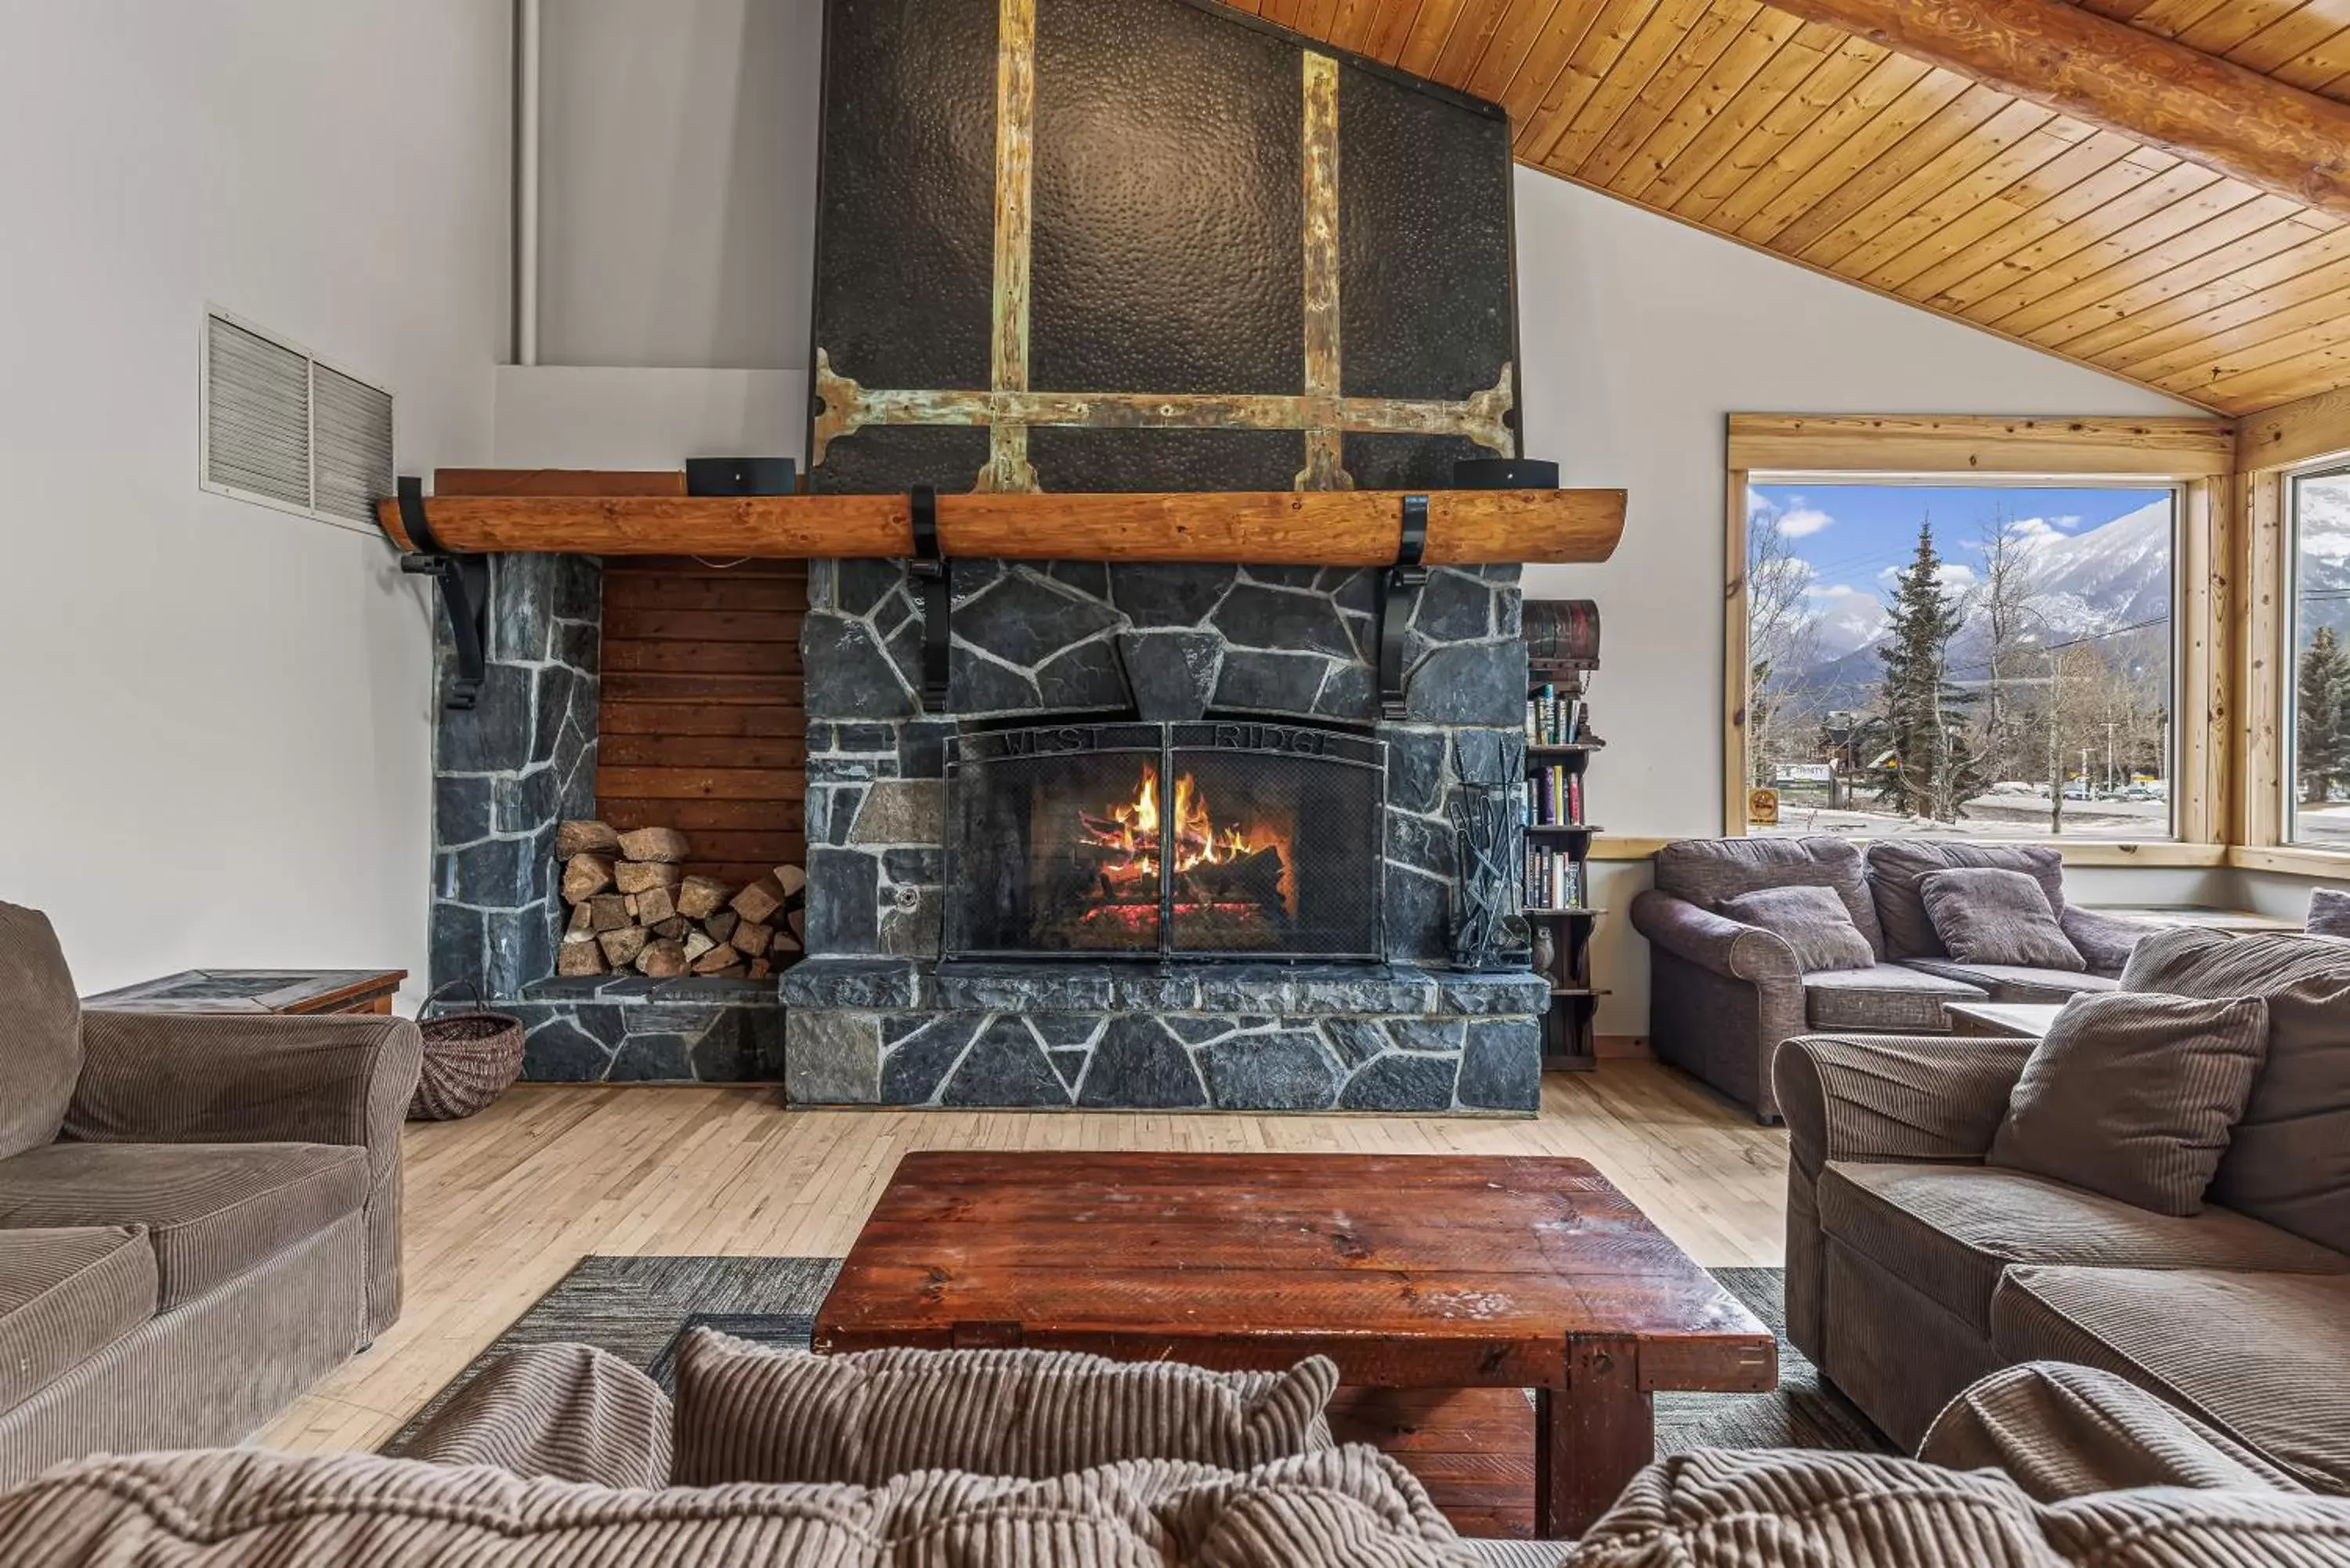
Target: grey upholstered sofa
{"x":561,"y":1455}
{"x":198,"y":1215}
{"x":1723,"y":994}
{"x":1915,"y":1268}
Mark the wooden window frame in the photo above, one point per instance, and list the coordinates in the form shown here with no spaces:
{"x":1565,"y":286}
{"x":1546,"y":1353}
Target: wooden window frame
{"x":2274,"y":448}
{"x":2197,"y":456}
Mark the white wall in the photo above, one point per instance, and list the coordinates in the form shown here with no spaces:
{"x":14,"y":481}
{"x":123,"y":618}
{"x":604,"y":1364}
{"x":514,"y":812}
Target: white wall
{"x":1640,"y":335}
{"x":679,"y":177}
{"x":216,"y":737}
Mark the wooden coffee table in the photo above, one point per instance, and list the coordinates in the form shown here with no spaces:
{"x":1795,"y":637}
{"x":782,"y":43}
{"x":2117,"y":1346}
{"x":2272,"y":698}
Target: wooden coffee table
{"x":1409,"y":1272}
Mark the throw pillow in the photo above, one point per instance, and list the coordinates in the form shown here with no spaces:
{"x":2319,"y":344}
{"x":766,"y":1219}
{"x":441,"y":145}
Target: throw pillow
{"x":749,"y":1413}
{"x":1812,"y":920}
{"x":1988,"y":915}
{"x":2133,"y":1095}
{"x":2329,"y":913}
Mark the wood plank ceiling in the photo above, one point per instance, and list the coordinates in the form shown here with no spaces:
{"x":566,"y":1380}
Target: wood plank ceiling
{"x":1915,"y":182}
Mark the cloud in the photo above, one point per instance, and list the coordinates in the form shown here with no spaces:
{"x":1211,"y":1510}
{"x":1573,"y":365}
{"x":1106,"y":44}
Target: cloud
{"x":1834,"y":591}
{"x":2034,"y":532}
{"x":1797,"y":520}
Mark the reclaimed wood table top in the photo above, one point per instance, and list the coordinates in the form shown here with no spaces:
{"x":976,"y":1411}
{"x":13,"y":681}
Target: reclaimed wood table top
{"x":1409,"y":1272}
{"x":256,"y":991}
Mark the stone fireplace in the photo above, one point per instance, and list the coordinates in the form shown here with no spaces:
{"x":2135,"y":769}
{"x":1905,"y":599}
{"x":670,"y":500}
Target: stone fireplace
{"x":1165,"y":852}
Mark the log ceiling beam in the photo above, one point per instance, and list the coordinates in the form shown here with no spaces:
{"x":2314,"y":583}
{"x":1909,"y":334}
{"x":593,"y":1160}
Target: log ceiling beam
{"x":2205,"y":110}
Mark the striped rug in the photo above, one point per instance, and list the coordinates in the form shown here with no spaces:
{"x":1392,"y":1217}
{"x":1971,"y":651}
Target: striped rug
{"x":639,"y":1309}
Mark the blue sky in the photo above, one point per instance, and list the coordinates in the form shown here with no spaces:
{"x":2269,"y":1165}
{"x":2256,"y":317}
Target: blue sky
{"x":1853,"y":535}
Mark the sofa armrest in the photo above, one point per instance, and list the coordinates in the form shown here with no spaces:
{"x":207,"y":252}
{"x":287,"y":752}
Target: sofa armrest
{"x":2062,"y":1432}
{"x":229,"y":1077}
{"x":2104,"y":940}
{"x":566,"y":1411}
{"x":1893,"y":1097}
{"x":1713,"y":941}
{"x":234,"y":1077}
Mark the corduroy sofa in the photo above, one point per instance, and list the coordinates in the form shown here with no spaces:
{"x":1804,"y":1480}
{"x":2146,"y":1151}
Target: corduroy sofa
{"x":198,"y":1215}
{"x":1915,"y":1268}
{"x":1723,"y":994}
{"x":560,"y":1455}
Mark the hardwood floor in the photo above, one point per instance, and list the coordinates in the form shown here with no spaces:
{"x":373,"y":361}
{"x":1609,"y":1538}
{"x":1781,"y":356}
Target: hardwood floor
{"x":500,"y":1207}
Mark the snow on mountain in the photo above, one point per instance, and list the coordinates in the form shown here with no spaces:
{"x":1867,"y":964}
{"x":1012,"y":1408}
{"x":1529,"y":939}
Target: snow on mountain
{"x":1846,"y":619}
{"x":2118,"y":575}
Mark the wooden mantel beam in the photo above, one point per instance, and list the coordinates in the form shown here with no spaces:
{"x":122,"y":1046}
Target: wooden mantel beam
{"x":2144,"y":87}
{"x":1325,"y":528}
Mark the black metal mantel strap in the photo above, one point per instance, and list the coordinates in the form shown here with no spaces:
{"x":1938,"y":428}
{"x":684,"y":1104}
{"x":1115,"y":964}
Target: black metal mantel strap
{"x":464,"y":590}
{"x":1406,"y":577}
{"x":932,"y":575}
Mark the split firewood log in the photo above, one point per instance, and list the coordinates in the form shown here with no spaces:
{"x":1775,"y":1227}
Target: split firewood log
{"x":671,"y":929}
{"x":750,"y":938}
{"x":760,"y":968}
{"x":720,"y":926}
{"x":582,"y":928}
{"x":761,"y":899}
{"x":583,"y":838}
{"x":798,"y":921}
{"x":662,"y":960}
{"x":623,"y":945}
{"x":609,"y":912}
{"x":579,"y":958}
{"x":656,"y":904}
{"x":666,"y":845}
{"x":636,"y":876}
{"x":790,"y":880}
{"x":697,"y":942}
{"x":718,"y":957}
{"x":584,"y":877}
{"x":699,"y":898}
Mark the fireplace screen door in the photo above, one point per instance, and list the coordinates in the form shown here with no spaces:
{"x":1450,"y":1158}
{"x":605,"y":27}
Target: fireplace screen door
{"x":1216,"y":838}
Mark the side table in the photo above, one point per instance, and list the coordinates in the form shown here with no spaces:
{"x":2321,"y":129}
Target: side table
{"x":257,"y":991}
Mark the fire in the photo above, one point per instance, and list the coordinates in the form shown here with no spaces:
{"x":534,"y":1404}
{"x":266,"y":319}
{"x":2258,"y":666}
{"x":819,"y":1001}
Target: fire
{"x":1134,"y":827}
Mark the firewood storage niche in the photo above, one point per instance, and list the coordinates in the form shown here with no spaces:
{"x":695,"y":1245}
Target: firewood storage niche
{"x":1217,"y":838}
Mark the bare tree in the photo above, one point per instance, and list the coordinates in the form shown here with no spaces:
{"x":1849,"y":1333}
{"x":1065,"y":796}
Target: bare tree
{"x":2009,"y":604}
{"x":1781,"y":634}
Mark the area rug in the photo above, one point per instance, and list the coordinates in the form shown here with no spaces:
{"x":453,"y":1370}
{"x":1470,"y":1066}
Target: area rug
{"x":641,"y":1308}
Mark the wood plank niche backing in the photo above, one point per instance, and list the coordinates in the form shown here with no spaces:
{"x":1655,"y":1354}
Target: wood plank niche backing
{"x":703,"y":723}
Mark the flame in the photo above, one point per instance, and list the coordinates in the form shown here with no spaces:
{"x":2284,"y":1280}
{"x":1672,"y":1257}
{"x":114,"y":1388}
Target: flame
{"x":1137,"y":833}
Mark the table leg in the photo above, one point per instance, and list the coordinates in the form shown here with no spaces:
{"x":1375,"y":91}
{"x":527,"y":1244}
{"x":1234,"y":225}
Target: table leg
{"x":1591,"y":1436}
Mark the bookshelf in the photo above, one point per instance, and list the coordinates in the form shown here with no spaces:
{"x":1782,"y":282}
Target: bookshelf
{"x":1557,"y":887}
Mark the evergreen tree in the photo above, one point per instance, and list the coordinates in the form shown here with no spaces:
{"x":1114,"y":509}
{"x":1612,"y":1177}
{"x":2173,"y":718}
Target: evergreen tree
{"x":2322,"y":733}
{"x":1937,"y":769}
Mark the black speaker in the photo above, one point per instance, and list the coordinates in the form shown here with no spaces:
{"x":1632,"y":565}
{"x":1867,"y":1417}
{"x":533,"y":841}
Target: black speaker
{"x":741,"y":476}
{"x":1504,"y":473}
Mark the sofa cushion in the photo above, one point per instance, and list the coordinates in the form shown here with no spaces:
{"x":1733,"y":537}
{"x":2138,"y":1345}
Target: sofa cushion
{"x":65,"y":1296}
{"x":2012,"y":983}
{"x":2264,"y":1357}
{"x":2288,"y":1162}
{"x":1793,"y":1508}
{"x":2132,"y":1094}
{"x":748,"y":1413}
{"x":1708,"y":871}
{"x":1887,"y":998}
{"x":212,"y":1210}
{"x":40,"y":1032}
{"x":1339,"y":1508}
{"x":1950,"y":1229}
{"x":1983,"y":914}
{"x":2329,"y":912}
{"x":1810,"y":921}
{"x":1896,"y":866}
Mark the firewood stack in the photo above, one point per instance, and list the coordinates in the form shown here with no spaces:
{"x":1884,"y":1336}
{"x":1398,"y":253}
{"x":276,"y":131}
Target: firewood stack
{"x":634,"y":908}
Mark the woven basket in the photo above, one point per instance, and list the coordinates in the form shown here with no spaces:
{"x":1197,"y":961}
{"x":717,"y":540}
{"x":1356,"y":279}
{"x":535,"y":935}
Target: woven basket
{"x":470,"y":1059}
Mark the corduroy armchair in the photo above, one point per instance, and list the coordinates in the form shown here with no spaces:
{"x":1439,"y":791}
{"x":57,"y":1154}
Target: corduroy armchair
{"x":199,"y":1214}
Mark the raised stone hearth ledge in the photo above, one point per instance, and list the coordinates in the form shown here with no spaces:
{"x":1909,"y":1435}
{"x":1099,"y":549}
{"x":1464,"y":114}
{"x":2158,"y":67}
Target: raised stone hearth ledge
{"x":1208,"y":1037}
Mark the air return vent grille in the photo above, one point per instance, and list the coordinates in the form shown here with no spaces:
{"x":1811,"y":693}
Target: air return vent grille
{"x":286,"y":430}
